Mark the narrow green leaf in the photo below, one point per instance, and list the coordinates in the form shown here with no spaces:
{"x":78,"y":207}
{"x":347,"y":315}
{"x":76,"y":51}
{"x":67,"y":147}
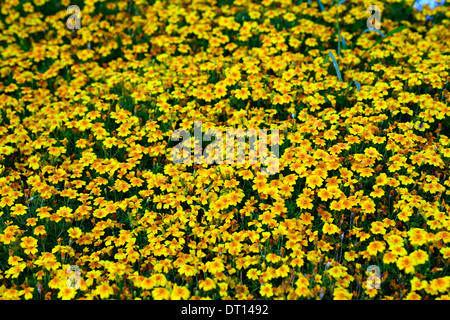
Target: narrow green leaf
{"x":336,"y":66}
{"x":371,"y":29}
{"x":339,"y":34}
{"x":337,"y":3}
{"x":321,"y":5}
{"x":399,"y":29}
{"x":358,"y":86}
{"x":344,"y":44}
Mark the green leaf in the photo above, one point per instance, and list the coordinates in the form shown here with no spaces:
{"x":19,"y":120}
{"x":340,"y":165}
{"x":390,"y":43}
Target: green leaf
{"x":358,"y":86}
{"x":338,"y":3}
{"x":344,"y":44}
{"x":399,"y":29}
{"x":371,"y":29}
{"x":321,"y":5}
{"x":336,"y":66}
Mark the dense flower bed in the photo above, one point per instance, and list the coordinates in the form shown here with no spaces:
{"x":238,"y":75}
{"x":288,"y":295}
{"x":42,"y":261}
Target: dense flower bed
{"x":90,"y":194}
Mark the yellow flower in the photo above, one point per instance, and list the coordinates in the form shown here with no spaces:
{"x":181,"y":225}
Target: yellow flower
{"x":417,"y":239}
{"x":273,"y":258}
{"x":147,"y":283}
{"x":188,"y":270}
{"x":399,"y":251}
{"x":371,"y":152}
{"x":404,"y":214}
{"x":313,"y":181}
{"x":417,"y":284}
{"x":161,"y":294}
{"x":31,"y":222}
{"x":122,"y":186}
{"x":368,"y":206}
{"x":266,"y":290}
{"x":253,"y":273}
{"x":64,"y":211}
{"x":104,"y":290}
{"x":179,"y":293}
{"x":377,"y":192}
{"x":342,"y":294}
{"x":10,"y":294}
{"x":324,"y":194}
{"x":372,"y":292}
{"x":13,"y":260}
{"x":27,"y":292}
{"x":445,"y":251}
{"x":215,"y":266}
{"x":337,"y":271}
{"x":394,"y":240}
{"x":311,"y":42}
{"x":419,"y":257}
{"x":39,"y":230}
{"x":406,"y":263}
{"x":28,"y":242}
{"x":18,"y":210}
{"x":159,"y":279}
{"x":242,"y":93}
{"x":350,"y":256}
{"x":15,"y":271}
{"x":304,"y":202}
{"x":33,"y":162}
{"x":207,"y":284}
{"x":389,"y":257}
{"x":376,"y":246}
{"x":413,"y":296}
{"x":74,"y":232}
{"x":330,"y":229}
{"x":440,"y":284}
{"x":67,"y":293}
{"x":378,"y":228}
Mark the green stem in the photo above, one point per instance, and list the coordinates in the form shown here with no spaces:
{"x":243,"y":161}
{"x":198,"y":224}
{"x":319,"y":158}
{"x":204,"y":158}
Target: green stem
{"x":339,"y":32}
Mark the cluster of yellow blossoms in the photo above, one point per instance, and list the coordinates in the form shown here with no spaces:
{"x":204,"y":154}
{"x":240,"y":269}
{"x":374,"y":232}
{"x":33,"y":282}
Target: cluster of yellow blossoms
{"x":87,"y":177}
